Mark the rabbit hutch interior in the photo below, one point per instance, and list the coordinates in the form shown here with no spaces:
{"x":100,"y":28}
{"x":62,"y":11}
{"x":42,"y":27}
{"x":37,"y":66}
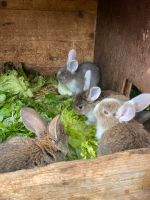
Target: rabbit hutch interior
{"x":114,"y":34}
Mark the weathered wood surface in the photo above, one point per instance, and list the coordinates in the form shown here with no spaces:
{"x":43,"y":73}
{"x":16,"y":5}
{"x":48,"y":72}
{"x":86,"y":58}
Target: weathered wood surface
{"x":43,"y":38}
{"x":121,"y":176}
{"x":53,"y":5}
{"x":123,"y":44}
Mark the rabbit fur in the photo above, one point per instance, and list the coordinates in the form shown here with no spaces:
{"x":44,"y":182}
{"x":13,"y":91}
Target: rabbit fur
{"x":50,"y":144}
{"x":78,"y":77}
{"x":116,"y":128}
{"x":84,"y":102}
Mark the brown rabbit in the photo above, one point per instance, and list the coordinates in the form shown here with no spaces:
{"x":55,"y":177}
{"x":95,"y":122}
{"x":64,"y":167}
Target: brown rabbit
{"x":50,"y":144}
{"x":84,"y":102}
{"x":114,"y":128}
{"x":144,"y":118}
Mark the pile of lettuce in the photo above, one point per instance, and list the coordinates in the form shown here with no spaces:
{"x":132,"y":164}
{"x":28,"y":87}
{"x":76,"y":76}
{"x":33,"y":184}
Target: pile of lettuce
{"x":19,"y":88}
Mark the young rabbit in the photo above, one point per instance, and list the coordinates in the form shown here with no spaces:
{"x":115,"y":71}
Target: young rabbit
{"x":144,"y":118}
{"x":50,"y":144}
{"x":115,"y":127}
{"x":78,"y":77}
{"x":84,"y":102}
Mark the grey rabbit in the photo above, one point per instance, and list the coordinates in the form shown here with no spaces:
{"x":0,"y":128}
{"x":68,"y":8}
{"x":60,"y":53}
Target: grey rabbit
{"x":84,"y":102}
{"x":50,"y":144}
{"x":116,"y":128}
{"x":78,"y":77}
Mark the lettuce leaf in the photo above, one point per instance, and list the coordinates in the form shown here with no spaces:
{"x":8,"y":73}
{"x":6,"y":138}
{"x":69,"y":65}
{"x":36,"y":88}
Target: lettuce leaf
{"x":18,"y":89}
{"x":12,"y":83}
{"x":81,"y":136}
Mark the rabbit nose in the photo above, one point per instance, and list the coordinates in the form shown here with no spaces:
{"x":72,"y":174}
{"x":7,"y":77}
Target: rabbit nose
{"x":61,"y":78}
{"x":80,"y":107}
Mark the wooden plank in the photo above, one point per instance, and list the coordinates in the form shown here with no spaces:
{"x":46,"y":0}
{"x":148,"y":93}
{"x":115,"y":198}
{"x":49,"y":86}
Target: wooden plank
{"x":43,"y":38}
{"x":122,"y":43}
{"x":53,"y":5}
{"x":119,"y":176}
{"x":51,"y":54}
{"x":43,"y":25}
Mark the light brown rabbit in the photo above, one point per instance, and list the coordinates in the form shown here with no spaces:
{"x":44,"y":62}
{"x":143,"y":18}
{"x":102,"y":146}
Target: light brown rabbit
{"x":50,"y":144}
{"x":84,"y":102}
{"x":115,"y":127}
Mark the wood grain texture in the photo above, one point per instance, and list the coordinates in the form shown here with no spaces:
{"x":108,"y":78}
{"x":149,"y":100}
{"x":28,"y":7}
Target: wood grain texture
{"x":50,"y":54}
{"x":123,"y":43}
{"x":121,"y":176}
{"x":51,"y":5}
{"x":43,"y":38}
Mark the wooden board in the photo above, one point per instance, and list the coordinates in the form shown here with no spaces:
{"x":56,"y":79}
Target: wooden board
{"x":123,"y":44}
{"x":50,"y":5}
{"x":44,"y":54}
{"x":42,"y":38}
{"x":121,"y":176}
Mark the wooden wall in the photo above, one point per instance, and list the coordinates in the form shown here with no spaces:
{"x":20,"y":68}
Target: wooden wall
{"x":40,"y":32}
{"x":123,"y":44}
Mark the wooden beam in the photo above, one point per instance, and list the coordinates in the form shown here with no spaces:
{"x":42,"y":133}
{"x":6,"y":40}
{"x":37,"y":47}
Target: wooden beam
{"x":121,"y":176}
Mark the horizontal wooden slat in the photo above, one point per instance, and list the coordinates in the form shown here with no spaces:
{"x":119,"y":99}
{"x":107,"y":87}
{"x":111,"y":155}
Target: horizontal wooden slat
{"x":121,"y":176}
{"x":58,"y":5}
{"x":50,"y":54}
{"x":43,"y":38}
{"x":43,"y":25}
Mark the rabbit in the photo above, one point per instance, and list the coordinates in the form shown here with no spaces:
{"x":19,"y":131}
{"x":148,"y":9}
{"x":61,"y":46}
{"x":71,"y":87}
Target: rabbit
{"x":84,"y":102}
{"x":50,"y":144}
{"x":144,"y":118}
{"x":147,"y":125}
{"x":116,"y":128}
{"x":78,"y":77}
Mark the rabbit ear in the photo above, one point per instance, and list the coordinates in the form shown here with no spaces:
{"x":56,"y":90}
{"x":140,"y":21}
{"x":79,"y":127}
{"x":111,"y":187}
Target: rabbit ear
{"x":94,"y":93}
{"x":87,"y":78}
{"x":33,"y":121}
{"x":72,"y":63}
{"x":128,"y":110}
{"x":54,"y":128}
{"x":71,"y":55}
{"x":141,"y":101}
{"x":72,"y":66}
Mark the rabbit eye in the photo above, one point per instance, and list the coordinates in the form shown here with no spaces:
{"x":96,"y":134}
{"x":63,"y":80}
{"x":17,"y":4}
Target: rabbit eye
{"x":106,"y":112}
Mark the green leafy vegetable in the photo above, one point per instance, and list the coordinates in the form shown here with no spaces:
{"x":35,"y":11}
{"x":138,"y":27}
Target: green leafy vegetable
{"x":19,"y":89}
{"x":2,"y":98}
{"x":81,"y":136}
{"x":12,"y":83}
